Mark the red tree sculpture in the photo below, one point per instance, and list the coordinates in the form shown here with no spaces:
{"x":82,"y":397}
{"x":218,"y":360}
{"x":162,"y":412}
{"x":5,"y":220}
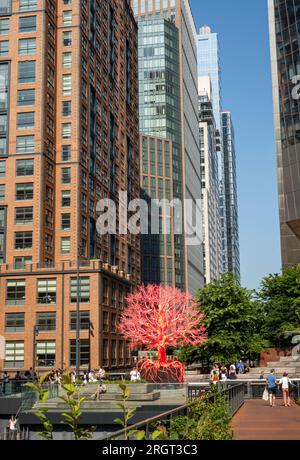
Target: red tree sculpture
{"x":157,"y":317}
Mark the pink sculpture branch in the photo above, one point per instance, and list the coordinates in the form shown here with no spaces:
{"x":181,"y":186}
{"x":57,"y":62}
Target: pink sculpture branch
{"x":157,"y":317}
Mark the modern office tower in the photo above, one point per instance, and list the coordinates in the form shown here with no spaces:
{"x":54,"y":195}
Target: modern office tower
{"x":168,"y":110}
{"x":285,"y":56}
{"x":212,"y":236}
{"x":208,"y":53}
{"x":159,"y":261}
{"x":69,"y":137}
{"x":230,"y":186}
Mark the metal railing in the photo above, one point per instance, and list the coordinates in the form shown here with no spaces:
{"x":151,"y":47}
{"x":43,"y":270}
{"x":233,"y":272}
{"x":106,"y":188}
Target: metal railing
{"x":235,"y":399}
{"x":17,"y":435}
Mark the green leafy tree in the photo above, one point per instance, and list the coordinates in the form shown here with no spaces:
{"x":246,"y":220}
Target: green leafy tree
{"x":73,"y":399}
{"x":280,"y":296}
{"x":43,"y":394}
{"x":233,"y":319}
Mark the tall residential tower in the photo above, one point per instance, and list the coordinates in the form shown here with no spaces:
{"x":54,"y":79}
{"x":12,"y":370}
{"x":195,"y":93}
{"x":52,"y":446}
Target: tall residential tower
{"x":285,"y":56}
{"x":69,"y":137}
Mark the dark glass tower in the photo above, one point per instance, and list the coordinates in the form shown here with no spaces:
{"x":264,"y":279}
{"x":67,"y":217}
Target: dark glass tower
{"x":284,"y":20}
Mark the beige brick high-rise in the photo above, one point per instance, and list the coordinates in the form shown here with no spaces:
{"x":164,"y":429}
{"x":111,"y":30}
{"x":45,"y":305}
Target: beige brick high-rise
{"x":68,"y":138}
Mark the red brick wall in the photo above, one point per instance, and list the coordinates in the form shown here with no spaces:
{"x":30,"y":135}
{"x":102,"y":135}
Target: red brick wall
{"x":273,"y":354}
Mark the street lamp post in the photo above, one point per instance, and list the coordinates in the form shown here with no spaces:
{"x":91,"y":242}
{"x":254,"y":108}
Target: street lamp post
{"x":35,"y":334}
{"x":78,"y":319}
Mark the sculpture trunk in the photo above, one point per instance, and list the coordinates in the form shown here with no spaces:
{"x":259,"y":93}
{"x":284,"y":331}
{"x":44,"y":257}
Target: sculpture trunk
{"x":162,"y":355}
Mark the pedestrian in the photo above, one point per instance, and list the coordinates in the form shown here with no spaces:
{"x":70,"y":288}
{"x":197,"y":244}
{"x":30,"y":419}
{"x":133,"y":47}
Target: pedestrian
{"x":101,"y":373}
{"x":215,"y":378}
{"x":5,"y":381}
{"x":272,"y":386}
{"x":73,"y":377}
{"x":286,"y":383}
{"x":12,"y":426}
{"x":262,"y":375}
{"x":232,"y":373}
{"x":240,"y":367}
{"x":224,"y":374}
{"x":100,"y":390}
{"x":134,"y":375}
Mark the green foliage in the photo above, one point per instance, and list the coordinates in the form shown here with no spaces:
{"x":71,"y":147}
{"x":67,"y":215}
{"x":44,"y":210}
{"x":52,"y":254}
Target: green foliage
{"x":74,"y":401}
{"x":41,"y":413}
{"x":280,"y":296}
{"x":207,"y":421}
{"x":233,"y":320}
{"x":128,"y":414}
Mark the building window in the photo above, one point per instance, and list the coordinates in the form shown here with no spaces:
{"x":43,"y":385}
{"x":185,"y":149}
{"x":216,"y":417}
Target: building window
{"x":105,"y":291}
{"x":26,"y":5}
{"x":66,"y":153}
{"x":25,"y":144}
{"x":67,"y":85}
{"x":15,"y":292}
{"x":105,"y":324}
{"x":24,"y":216}
{"x":84,"y":320}
{"x":2,"y":168}
{"x":26,"y":97}
{"x":67,"y":108}
{"x":66,"y":175}
{"x":84,"y":289}
{"x":46,"y":321}
{"x":24,"y":168}
{"x":2,"y":192}
{"x":67,"y":38}
{"x":45,"y":353}
{"x":20,"y":262}
{"x":27,"y":24}
{"x":23,"y":240}
{"x":65,"y":245}
{"x":66,"y":222}
{"x":14,"y":354}
{"x":105,"y":352}
{"x":25,"y":120}
{"x":24,"y":191}
{"x":113,"y":352}
{"x":67,"y":60}
{"x":4,"y":45}
{"x":26,"y":72}
{"x":46,"y":291}
{"x":66,"y":130}
{"x":4,"y":26}
{"x":66,"y":198}
{"x":27,"y":46}
{"x":67,"y":18}
{"x":14,"y":322}
{"x":84,"y":352}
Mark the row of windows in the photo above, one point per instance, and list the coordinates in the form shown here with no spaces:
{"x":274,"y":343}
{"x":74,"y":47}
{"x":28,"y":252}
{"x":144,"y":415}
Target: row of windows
{"x":47,"y":289}
{"x":46,"y":353}
{"x":15,"y":322}
{"x":25,"y":192}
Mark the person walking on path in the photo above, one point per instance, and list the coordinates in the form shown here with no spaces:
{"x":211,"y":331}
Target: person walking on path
{"x":272,"y":386}
{"x":286,"y":383}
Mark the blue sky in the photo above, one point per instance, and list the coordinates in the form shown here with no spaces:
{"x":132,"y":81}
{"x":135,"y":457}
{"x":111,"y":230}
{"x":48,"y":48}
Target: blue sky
{"x":247,"y":93}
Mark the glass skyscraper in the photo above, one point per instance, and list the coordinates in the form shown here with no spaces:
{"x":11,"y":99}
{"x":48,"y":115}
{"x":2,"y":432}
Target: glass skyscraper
{"x":169,"y":110}
{"x":209,"y":65}
{"x":230,"y":186}
{"x":284,"y":21}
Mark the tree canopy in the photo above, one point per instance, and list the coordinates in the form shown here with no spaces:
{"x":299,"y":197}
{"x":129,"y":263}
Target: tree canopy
{"x":232,"y":318}
{"x":280,"y":296}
